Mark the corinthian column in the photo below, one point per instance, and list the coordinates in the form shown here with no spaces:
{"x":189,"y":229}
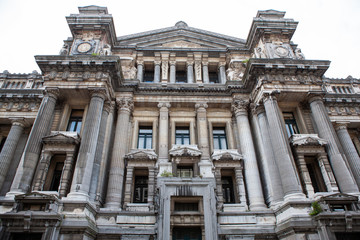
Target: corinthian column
{"x":8,"y":151}
{"x":343,"y":175}
{"x":283,"y":156}
{"x":116,"y":175}
{"x":30,"y":157}
{"x":163,"y":161}
{"x":86,"y":157}
{"x":252,"y":176}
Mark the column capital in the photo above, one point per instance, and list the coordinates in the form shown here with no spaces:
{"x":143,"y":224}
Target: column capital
{"x":125,"y":103}
{"x":270,"y":96}
{"x":201,"y":106}
{"x":205,"y":63}
{"x":19,"y":122}
{"x":53,"y":93}
{"x":315,"y":96}
{"x":341,"y":125}
{"x":221,"y":64}
{"x":189,"y":63}
{"x":172,"y":63}
{"x":240,"y":106}
{"x":109,"y":106}
{"x":164,"y":105}
{"x":140,"y":62}
{"x":157,"y":62}
{"x":98,"y":92}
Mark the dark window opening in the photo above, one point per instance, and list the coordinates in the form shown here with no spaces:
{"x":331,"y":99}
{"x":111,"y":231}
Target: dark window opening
{"x":290,"y":124}
{"x":186,"y":233}
{"x":219,"y":136}
{"x":75,"y":121}
{"x":340,"y":207}
{"x":228,"y":189}
{"x":2,"y":143}
{"x":181,"y":76}
{"x":182,"y":136}
{"x":145,"y":138}
{"x":213,"y":77}
{"x":55,"y":182}
{"x":141,"y":189}
{"x":186,"y":206}
{"x":185,"y":171}
{"x":26,"y":236}
{"x":315,"y":175}
{"x":148,"y":76}
{"x":54,"y":173}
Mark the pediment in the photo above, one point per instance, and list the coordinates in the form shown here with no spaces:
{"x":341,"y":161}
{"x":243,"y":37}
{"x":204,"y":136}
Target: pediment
{"x":35,"y":196}
{"x":185,"y":151}
{"x":339,"y":197}
{"x":307,"y":139}
{"x":57,"y":137}
{"x":141,"y":154}
{"x":180,"y":36}
{"x":226,"y":154}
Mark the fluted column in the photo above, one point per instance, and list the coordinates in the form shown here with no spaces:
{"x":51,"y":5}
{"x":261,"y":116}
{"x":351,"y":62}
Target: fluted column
{"x":190,"y":71}
{"x":222,"y":73}
{"x":99,"y":151}
{"x":128,"y":185}
{"x":163,"y":161}
{"x":86,"y":157}
{"x":350,"y":150}
{"x":271,"y":171}
{"x":283,"y":156}
{"x":157,"y":72}
{"x":30,"y":157}
{"x":203,"y":140}
{"x":205,"y":72}
{"x":8,"y":150}
{"x":42,"y":171}
{"x":172,"y":71}
{"x":343,"y":175}
{"x":116,"y":175}
{"x":66,"y":174}
{"x":140,"y":71}
{"x":252,"y":176}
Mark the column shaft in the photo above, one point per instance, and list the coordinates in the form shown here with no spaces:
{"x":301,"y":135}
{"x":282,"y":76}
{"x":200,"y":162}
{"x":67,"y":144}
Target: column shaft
{"x":66,"y":174}
{"x":116,"y":175}
{"x":140,"y":72}
{"x":157,"y":72}
{"x":190,"y":72}
{"x":205,"y":73}
{"x":283,"y":156}
{"x":343,"y":175}
{"x":172,"y":72}
{"x":8,"y":151}
{"x":222,"y":74}
{"x":163,"y":161}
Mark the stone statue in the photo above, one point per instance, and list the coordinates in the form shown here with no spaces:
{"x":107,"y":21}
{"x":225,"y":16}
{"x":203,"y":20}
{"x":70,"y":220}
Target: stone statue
{"x":64,"y":50}
{"x":133,"y":72}
{"x":259,"y":52}
{"x":106,"y":50}
{"x":299,"y":54}
{"x":235,"y":72}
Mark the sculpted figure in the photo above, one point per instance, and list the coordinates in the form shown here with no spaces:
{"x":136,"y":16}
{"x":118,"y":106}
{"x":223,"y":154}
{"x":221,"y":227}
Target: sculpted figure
{"x":106,"y":50}
{"x":299,"y":54}
{"x":259,"y":53}
{"x":64,"y":50}
{"x":133,"y":72}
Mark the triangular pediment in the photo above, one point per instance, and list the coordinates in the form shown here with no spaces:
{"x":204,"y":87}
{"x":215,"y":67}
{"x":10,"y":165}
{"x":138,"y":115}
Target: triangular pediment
{"x":61,"y":137}
{"x":184,"y":151}
{"x":180,"y":36}
{"x":141,"y":154}
{"x":226,"y":154}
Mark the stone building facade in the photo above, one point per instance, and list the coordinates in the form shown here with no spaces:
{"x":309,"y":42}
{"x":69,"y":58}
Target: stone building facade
{"x":179,"y":133}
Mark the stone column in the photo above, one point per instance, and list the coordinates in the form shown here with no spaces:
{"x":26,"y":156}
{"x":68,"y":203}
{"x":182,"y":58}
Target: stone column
{"x":99,"y":151}
{"x":205,"y":72}
{"x":66,"y":174}
{"x":8,"y":150}
{"x":190,"y":71}
{"x":327,"y":173}
{"x":350,"y":150}
{"x":222,"y":73}
{"x":219,"y":193}
{"x":325,"y":129}
{"x":203,"y":140}
{"x":140,"y":71}
{"x":305,"y":176}
{"x":253,"y":183}
{"x":151,"y":186}
{"x":163,"y":160}
{"x":128,"y":185}
{"x":165,"y":71}
{"x":42,"y":171}
{"x":157,"y":72}
{"x":240,"y":186}
{"x":30,"y":157}
{"x":172,"y":71}
{"x":116,"y":175}
{"x":86,"y":157}
{"x":271,"y":171}
{"x":283,"y":156}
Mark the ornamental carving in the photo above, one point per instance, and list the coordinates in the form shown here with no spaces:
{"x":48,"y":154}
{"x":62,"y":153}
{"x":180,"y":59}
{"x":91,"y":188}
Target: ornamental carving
{"x":141,"y":154}
{"x":226,"y":155}
{"x":165,"y":68}
{"x":240,"y":105}
{"x":198,"y":70}
{"x":185,"y":151}
{"x":307,"y":139}
{"x":125,"y":103}
{"x":164,"y":105}
{"x":201,"y":105}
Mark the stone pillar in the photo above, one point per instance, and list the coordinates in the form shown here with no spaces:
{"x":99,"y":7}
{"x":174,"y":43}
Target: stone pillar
{"x":219,"y":193}
{"x":190,"y":71}
{"x":271,"y":171}
{"x":163,"y":161}
{"x":99,"y":151}
{"x":222,"y":73}
{"x":203,"y":140}
{"x":8,"y":150}
{"x":66,"y":174}
{"x":205,"y":72}
{"x":239,"y":179}
{"x":198,"y":77}
{"x":325,"y":129}
{"x":140,"y":71}
{"x":252,"y":176}
{"x":157,"y":71}
{"x":305,"y":176}
{"x":172,"y":71}
{"x":42,"y":171}
{"x":30,"y":157}
{"x":165,"y":71}
{"x":128,"y":185}
{"x":283,"y":156}
{"x":86,"y":157}
{"x":116,"y":175}
{"x":350,"y":150}
{"x":327,"y":173}
{"x":151,"y":186}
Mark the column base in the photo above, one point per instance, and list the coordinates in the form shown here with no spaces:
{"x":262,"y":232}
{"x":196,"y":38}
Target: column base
{"x":294,"y":196}
{"x":257,"y":207}
{"x":78,"y":196}
{"x":113,"y":206}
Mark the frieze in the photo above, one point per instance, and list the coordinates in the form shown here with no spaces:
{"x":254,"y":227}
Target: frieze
{"x":76,"y":76}
{"x":226,"y":154}
{"x":21,"y":105}
{"x":307,"y":139}
{"x":342,"y":109}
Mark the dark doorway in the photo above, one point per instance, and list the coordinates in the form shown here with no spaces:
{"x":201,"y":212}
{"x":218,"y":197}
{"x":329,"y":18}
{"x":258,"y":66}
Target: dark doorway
{"x":26,"y":236}
{"x":185,"y":233}
{"x":347,"y":236}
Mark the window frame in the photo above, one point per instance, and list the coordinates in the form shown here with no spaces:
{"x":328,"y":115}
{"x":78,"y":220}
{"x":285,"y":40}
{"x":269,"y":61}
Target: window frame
{"x":182,"y":136}
{"x":145,"y":136}
{"x":217,"y":138}
{"x":290,"y":124}
{"x":75,"y":119}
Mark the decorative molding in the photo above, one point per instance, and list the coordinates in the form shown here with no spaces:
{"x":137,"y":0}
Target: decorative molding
{"x":226,"y":155}
{"x":185,"y":151}
{"x":307,"y":139}
{"x":141,"y":154}
{"x":125,"y":103}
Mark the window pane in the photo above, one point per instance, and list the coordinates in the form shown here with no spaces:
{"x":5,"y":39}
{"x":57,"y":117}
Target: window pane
{"x":219,"y":137}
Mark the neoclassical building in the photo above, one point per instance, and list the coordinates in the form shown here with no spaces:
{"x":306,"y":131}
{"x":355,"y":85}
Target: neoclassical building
{"x":179,"y":133}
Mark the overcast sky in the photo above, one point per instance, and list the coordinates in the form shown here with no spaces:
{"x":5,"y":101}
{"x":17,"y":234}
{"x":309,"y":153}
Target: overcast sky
{"x":327,"y":30}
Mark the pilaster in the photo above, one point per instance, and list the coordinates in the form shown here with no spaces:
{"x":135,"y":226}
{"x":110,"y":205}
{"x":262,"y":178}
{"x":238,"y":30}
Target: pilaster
{"x":163,"y":160}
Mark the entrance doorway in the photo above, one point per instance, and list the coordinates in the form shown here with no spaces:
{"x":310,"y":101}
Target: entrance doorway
{"x":184,"y":233}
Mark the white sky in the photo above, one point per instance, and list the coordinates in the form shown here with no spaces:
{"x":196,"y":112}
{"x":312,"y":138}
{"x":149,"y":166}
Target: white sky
{"x":327,"y":30}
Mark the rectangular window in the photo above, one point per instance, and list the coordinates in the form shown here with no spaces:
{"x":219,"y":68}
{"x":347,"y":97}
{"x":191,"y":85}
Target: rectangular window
{"x":145,"y":138}
{"x":219,"y":136}
{"x":182,"y":136}
{"x":75,"y":121}
{"x":228,"y":189}
{"x":148,"y":76}
{"x":55,"y":182}
{"x":315,"y":175}
{"x":181,"y":76}
{"x":186,"y":206}
{"x":290,"y":124}
{"x":53,"y":177}
{"x":185,"y":171}
{"x":213,"y":77}
{"x":140,"y":189}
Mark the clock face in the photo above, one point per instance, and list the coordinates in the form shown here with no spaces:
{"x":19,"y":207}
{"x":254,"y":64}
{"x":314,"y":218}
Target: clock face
{"x":84,"y":47}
